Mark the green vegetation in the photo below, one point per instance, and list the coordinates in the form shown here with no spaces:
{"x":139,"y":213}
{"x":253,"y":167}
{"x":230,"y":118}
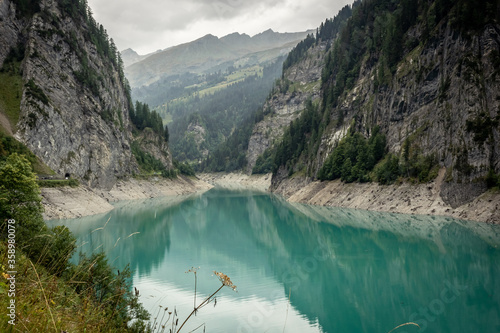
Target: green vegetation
{"x":389,"y":170}
{"x":174,"y":87}
{"x":184,"y":168}
{"x":298,"y":52}
{"x":493,"y":179}
{"x":482,"y":126}
{"x":36,"y":92}
{"x":11,"y":86}
{"x":299,"y":139}
{"x":359,"y":159}
{"x":413,"y":164}
{"x":354,"y":157}
{"x":52,"y":293}
{"x":148,"y":163}
{"x":231,"y":154}
{"x":264,"y":163}
{"x":232,"y":76}
{"x":467,"y":16}
{"x":326,"y":32}
{"x":142,"y":117}
{"x":26,"y":8}
{"x":219,"y":114}
{"x":9,"y":145}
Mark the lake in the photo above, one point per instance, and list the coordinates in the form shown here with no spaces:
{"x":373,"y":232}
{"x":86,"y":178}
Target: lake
{"x":302,"y":268}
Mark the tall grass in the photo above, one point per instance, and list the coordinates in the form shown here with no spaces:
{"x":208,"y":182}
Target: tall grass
{"x":172,"y":323}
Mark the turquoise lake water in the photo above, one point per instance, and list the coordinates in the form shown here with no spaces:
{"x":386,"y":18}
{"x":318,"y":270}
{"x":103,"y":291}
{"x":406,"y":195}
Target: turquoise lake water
{"x":302,"y":268}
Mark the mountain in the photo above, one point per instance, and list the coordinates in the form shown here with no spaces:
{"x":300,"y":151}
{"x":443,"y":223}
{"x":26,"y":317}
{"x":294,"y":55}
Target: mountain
{"x":208,"y":52}
{"x":300,"y":82}
{"x":202,"y":122}
{"x":406,"y":89}
{"x":130,"y":57}
{"x":207,"y":88}
{"x":64,"y":94}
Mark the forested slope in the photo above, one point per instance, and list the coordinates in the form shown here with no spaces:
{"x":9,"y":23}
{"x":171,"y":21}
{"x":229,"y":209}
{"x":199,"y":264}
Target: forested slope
{"x":65,"y":97}
{"x":419,"y":78}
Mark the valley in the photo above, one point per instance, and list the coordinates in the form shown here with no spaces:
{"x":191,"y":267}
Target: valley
{"x":345,"y":178}
{"x":285,"y":104}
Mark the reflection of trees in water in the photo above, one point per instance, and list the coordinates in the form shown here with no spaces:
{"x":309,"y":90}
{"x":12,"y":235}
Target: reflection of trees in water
{"x":358,"y":280}
{"x":353,"y":271}
{"x":134,"y":234}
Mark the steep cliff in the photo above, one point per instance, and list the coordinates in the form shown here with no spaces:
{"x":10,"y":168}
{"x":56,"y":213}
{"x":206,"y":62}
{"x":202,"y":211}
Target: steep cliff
{"x":424,"y":74}
{"x":436,"y":97}
{"x":74,"y":109}
{"x":300,"y":82}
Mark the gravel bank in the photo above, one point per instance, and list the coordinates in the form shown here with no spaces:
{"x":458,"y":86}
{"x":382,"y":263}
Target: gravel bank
{"x":421,"y":199}
{"x":67,"y":202}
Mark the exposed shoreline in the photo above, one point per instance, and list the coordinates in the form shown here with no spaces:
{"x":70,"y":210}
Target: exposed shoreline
{"x":406,"y":198}
{"x":236,"y":181}
{"x":67,"y":202}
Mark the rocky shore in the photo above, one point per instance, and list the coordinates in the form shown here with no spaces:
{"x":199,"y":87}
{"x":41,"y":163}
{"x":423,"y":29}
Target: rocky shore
{"x":67,"y":202}
{"x":406,"y":198}
{"x":238,"y":181}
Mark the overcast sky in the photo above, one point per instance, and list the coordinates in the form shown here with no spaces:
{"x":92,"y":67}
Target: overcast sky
{"x":150,"y":25}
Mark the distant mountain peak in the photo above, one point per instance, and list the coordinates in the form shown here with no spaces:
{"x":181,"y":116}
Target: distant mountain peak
{"x":130,"y":56}
{"x":205,"y":53}
{"x":236,"y":35}
{"x":208,"y":37}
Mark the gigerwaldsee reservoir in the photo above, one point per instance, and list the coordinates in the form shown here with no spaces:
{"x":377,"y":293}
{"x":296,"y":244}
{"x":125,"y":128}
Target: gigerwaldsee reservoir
{"x":301,"y":268}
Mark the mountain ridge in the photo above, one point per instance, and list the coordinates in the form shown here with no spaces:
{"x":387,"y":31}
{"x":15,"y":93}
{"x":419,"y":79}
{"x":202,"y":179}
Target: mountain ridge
{"x":204,"y":53}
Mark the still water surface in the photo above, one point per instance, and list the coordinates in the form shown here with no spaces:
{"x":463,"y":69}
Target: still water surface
{"x":300,"y":268}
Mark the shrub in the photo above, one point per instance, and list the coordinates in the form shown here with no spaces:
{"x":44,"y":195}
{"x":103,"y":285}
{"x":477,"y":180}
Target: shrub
{"x":354,"y":157}
{"x":388,"y":170}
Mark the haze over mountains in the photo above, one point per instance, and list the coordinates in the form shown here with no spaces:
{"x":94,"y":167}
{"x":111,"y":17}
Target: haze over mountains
{"x":384,"y":91}
{"x":208,"y":54}
{"x":205,"y":89}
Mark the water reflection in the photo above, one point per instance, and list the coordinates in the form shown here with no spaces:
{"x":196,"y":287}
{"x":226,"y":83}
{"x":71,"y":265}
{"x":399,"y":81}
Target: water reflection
{"x":304,"y":268}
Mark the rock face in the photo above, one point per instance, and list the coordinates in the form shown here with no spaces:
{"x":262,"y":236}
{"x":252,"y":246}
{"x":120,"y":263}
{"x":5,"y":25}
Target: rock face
{"x":441,"y":98}
{"x":10,"y":28}
{"x":150,"y":142}
{"x":287,"y":102}
{"x":75,"y":102}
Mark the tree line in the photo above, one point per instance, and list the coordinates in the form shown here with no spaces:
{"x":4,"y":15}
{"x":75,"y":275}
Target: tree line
{"x":142,"y":117}
{"x":220,"y":114}
{"x":327,"y":31}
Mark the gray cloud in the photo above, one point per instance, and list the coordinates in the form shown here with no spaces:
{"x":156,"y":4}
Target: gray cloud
{"x":149,"y":25}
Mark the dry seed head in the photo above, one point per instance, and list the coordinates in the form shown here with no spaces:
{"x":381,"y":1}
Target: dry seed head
{"x":193,"y":270}
{"x":225,"y":280}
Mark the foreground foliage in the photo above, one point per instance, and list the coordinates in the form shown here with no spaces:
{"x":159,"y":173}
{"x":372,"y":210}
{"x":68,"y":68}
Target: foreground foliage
{"x":52,"y":294}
